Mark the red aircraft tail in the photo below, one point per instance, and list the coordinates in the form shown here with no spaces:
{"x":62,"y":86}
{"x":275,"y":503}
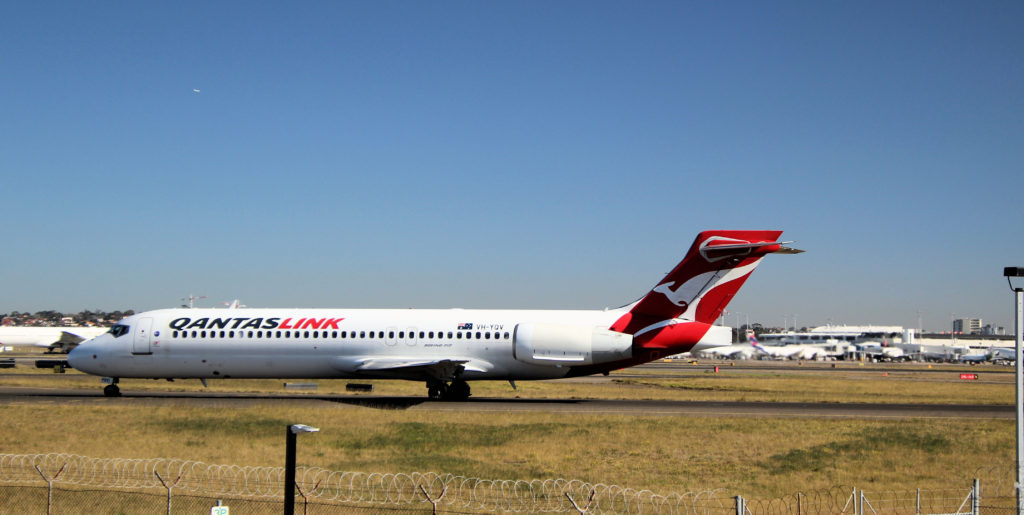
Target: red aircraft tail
{"x":704,"y":282}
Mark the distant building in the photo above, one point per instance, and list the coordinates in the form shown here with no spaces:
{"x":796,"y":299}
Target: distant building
{"x":967,"y":326}
{"x":993,"y":331}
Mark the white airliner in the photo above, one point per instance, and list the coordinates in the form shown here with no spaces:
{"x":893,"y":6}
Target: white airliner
{"x":790,"y":351}
{"x":737,"y":351}
{"x":53,"y":338}
{"x":443,"y":347}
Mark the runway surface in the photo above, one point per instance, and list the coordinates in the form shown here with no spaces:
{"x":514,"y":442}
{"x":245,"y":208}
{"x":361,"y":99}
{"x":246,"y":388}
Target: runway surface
{"x":45,"y":396}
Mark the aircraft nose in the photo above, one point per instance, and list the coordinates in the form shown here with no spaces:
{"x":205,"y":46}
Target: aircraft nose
{"x":74,"y":357}
{"x":78,"y":358}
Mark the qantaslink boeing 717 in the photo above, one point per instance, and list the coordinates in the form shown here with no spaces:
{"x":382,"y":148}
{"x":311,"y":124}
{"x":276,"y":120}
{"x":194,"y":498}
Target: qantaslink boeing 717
{"x":445,"y":348}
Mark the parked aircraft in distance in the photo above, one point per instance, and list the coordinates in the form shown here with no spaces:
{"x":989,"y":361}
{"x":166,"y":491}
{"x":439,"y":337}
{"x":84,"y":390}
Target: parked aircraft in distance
{"x":735,"y":351}
{"x":1003,"y":355}
{"x":445,"y":348}
{"x":53,"y":338}
{"x":994,"y":354}
{"x":880,"y":351}
{"x":791,"y":351}
{"x":975,"y":357}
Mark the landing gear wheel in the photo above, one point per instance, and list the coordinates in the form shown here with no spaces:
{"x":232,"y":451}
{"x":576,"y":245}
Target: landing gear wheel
{"x":458,"y":391}
{"x":437,"y":390}
{"x":111,"y":390}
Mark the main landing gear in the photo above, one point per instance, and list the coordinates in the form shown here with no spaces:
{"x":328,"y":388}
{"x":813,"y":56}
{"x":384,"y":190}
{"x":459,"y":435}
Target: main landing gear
{"x":111,"y":390}
{"x":457,"y":390}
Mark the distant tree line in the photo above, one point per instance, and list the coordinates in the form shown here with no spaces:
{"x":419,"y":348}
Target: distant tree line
{"x":56,"y":318}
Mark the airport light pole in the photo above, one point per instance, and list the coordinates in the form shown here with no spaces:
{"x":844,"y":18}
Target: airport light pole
{"x":289,"y":465}
{"x":1014,"y":275}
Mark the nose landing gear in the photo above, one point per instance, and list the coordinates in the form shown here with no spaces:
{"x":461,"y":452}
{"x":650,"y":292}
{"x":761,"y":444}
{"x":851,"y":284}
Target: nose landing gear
{"x":111,"y":390}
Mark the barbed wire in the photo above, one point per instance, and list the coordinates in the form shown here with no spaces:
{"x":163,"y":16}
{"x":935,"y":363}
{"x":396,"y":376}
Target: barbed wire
{"x":537,"y":495}
{"x":453,"y":491}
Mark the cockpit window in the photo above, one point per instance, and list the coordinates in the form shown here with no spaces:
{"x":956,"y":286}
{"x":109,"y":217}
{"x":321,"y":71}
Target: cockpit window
{"x":119,"y":330}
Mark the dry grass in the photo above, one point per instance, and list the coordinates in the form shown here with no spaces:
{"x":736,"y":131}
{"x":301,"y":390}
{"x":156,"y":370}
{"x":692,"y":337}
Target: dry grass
{"x":756,"y":457}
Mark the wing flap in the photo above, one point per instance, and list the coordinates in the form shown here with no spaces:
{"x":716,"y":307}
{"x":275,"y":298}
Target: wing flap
{"x":411,"y":367}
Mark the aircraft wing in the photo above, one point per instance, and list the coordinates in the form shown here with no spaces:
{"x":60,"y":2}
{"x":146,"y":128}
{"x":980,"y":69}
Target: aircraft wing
{"x":399,"y":367}
{"x":69,"y":337}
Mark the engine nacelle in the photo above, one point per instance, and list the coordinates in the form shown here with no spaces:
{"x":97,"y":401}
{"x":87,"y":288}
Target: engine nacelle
{"x":555,"y":344}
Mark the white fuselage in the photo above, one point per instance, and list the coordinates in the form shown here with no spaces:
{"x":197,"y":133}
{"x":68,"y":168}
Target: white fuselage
{"x":327,"y":343}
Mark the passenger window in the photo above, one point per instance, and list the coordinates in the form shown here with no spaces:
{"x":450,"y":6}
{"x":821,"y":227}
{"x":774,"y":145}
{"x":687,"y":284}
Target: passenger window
{"x":487,"y":336}
{"x":316,"y":334}
{"x":421,"y":334}
{"x":250,"y":334}
{"x":362,"y":334}
{"x":458,"y":335}
{"x":306,"y":334}
{"x":506,"y":336}
{"x":449,"y":335}
{"x":478,"y":335}
{"x":391,"y":334}
{"x":202,"y":334}
{"x":431,"y":334}
{"x":334,"y":334}
{"x":401,"y":335}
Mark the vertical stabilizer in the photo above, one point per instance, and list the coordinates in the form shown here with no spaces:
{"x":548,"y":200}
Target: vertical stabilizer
{"x":703,"y":283}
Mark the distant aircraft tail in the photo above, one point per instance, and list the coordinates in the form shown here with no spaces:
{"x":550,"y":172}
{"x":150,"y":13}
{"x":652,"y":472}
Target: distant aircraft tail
{"x":703,"y":283}
{"x":756,"y":344}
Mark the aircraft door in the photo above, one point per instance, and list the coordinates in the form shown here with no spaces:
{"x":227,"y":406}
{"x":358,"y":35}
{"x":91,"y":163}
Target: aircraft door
{"x":141,"y":340}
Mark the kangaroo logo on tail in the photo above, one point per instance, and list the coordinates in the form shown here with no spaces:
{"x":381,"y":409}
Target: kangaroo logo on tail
{"x":703,"y":283}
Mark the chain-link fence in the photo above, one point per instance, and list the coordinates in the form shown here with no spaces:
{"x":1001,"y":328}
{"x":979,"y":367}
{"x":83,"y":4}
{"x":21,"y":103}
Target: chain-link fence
{"x":68,"y":484}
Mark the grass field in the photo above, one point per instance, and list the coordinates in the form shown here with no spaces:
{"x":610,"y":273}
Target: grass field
{"x":756,"y":457}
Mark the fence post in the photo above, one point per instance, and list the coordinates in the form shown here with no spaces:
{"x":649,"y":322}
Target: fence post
{"x":49,"y":485}
{"x":741,"y":505}
{"x":976,"y":497}
{"x":433,"y":502}
{"x":162,"y":482}
{"x":305,"y":497}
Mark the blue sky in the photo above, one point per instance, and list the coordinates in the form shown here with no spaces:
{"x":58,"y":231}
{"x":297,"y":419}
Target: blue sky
{"x":511,"y":154}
